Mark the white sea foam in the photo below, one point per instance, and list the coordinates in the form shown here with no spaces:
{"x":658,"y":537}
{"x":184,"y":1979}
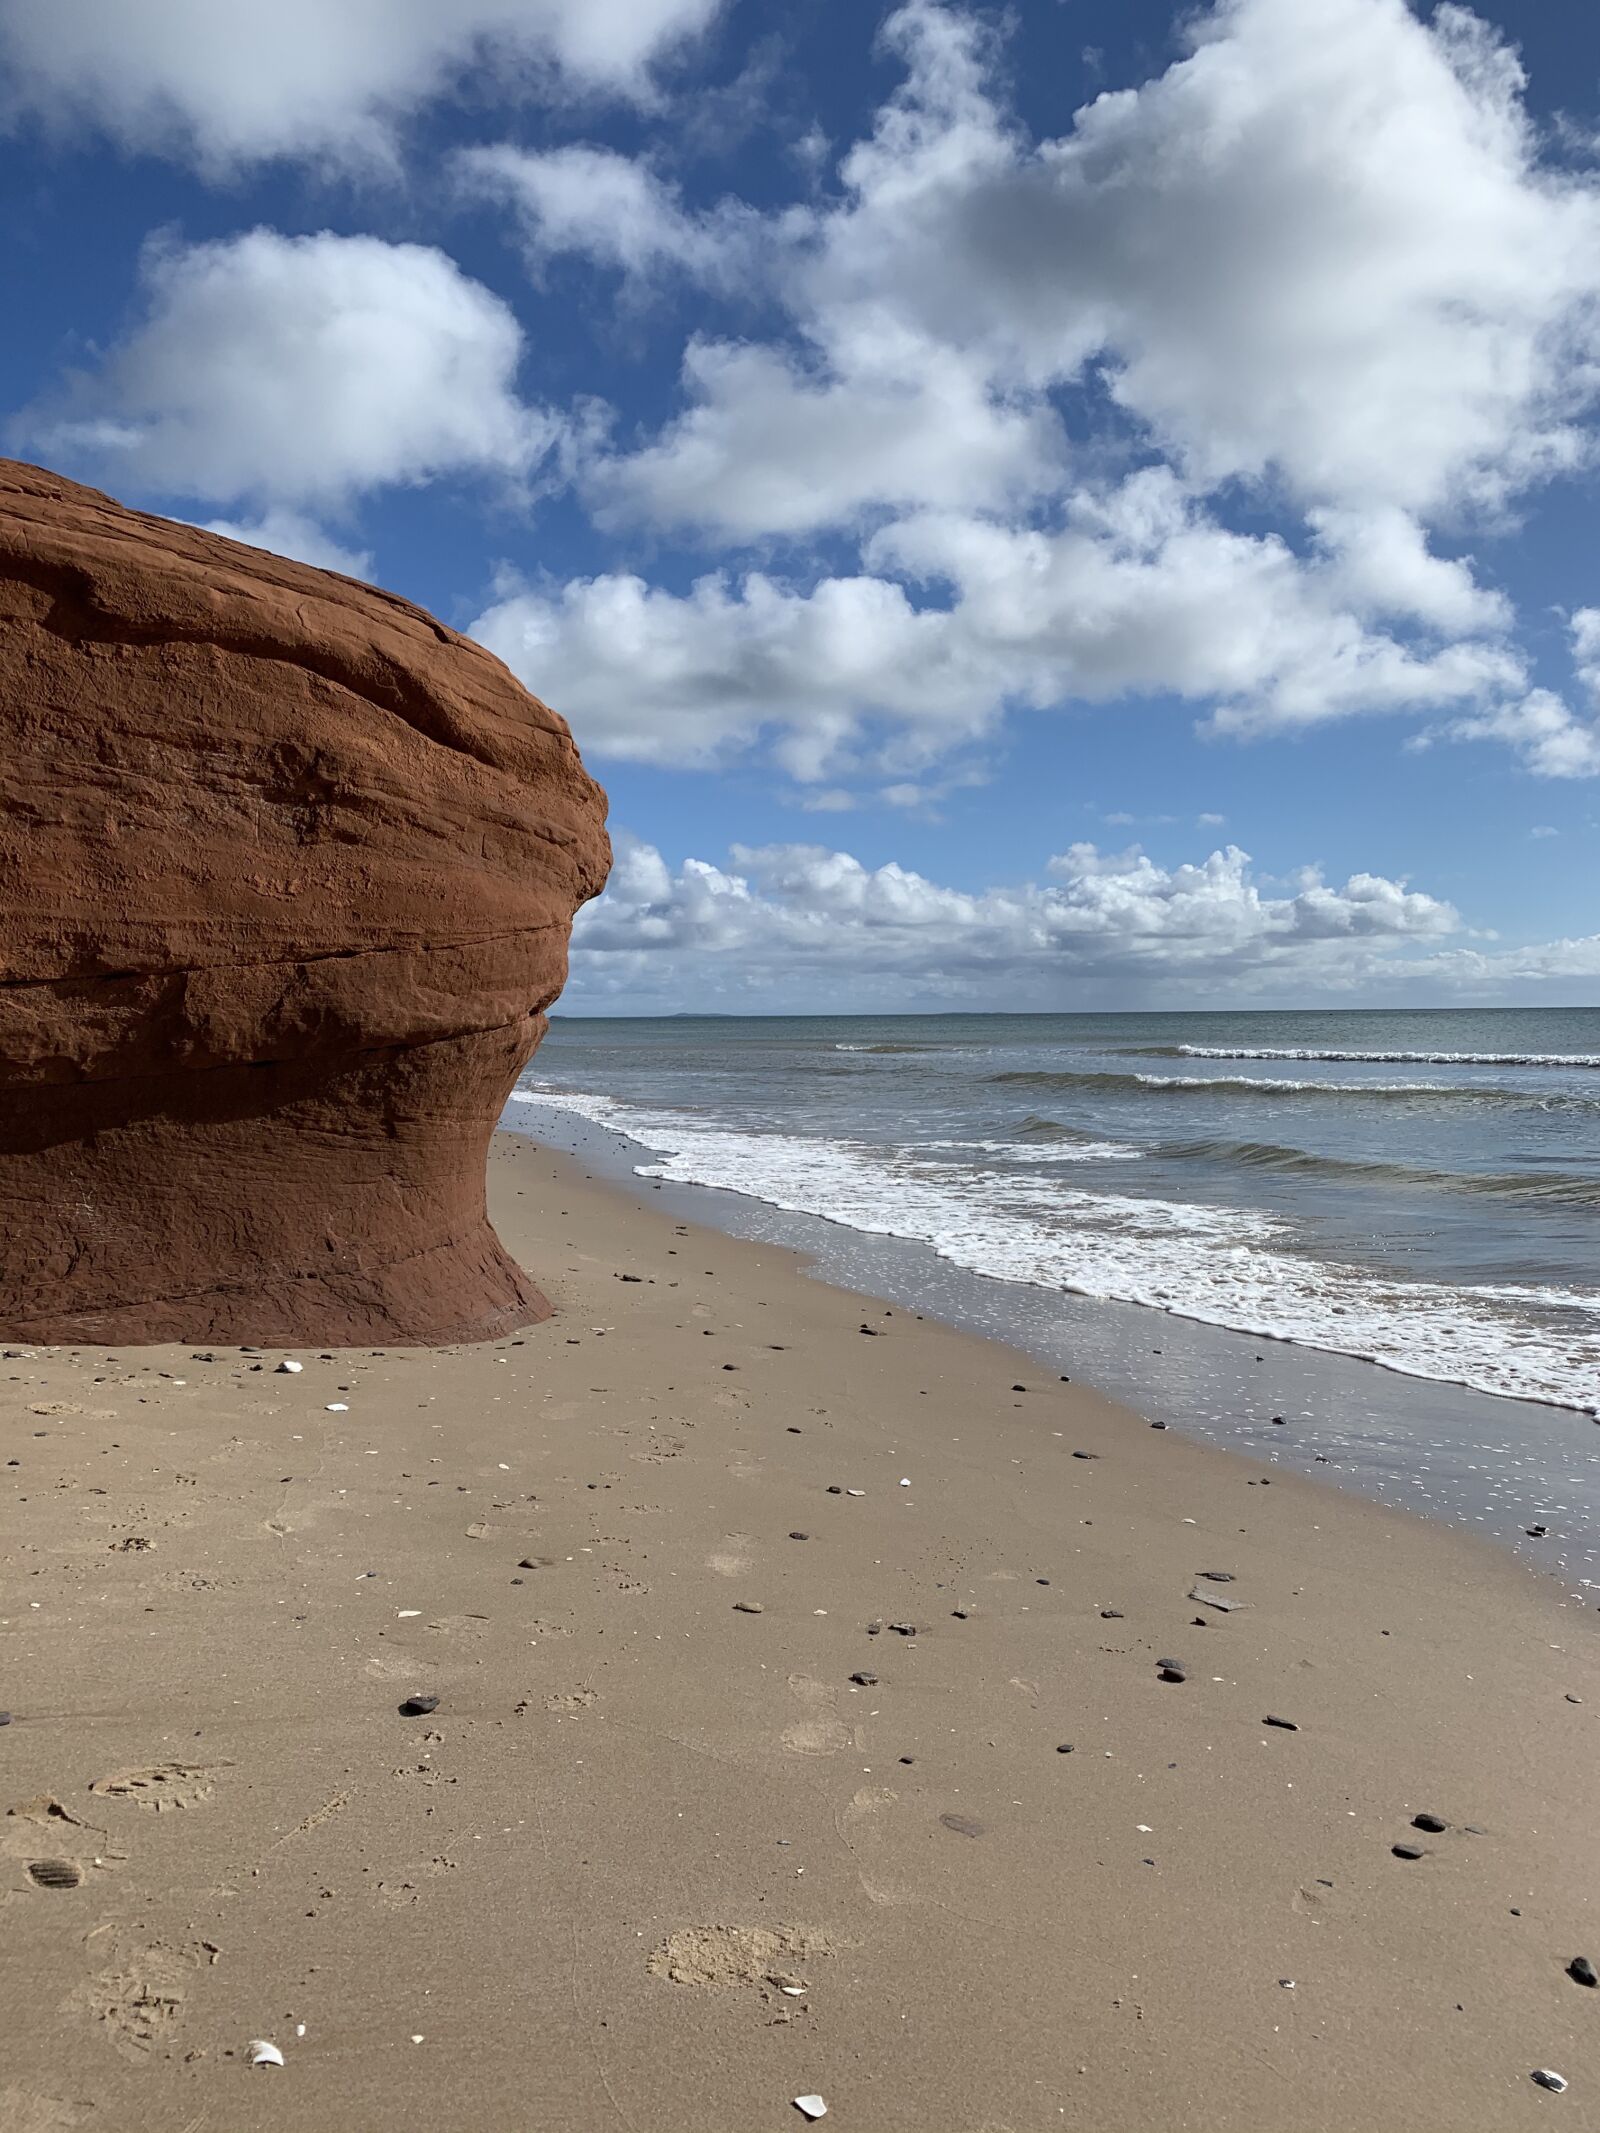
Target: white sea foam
{"x":1224,"y":1266}
{"x":1043,"y":1151}
{"x":1268,"y":1051}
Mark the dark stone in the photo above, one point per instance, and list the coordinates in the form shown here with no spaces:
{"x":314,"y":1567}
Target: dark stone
{"x":418,"y":1706}
{"x":1408,"y":1851}
{"x":1111,"y":1614}
{"x":834,"y":1489}
{"x":1170,"y":1670}
{"x":1582,"y":1972}
{"x":1086,"y":1455}
{"x":1064,"y":1747}
{"x":864,"y":1679}
{"x":1435,"y":1825}
{"x":799,"y":1536}
{"x":1287,"y":1725}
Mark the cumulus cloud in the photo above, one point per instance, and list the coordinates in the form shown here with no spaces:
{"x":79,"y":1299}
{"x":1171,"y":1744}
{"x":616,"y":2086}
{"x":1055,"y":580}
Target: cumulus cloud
{"x":785,"y":922}
{"x":1139,"y":593}
{"x":289,"y":534}
{"x":613,"y":209}
{"x":330,"y":79}
{"x":1334,"y":272}
{"x":298,"y":371}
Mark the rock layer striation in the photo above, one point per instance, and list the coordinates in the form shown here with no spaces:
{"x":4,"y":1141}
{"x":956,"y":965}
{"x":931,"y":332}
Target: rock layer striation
{"x":287,"y":873}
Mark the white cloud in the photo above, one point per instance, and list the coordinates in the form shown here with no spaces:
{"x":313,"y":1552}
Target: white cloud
{"x":1331,"y":268}
{"x":229,"y":81}
{"x":1140,"y":593}
{"x":803,"y":922}
{"x":1552,"y":741}
{"x":301,"y":539}
{"x":300,"y":370}
{"x":1585,"y":632}
{"x":615,"y":210}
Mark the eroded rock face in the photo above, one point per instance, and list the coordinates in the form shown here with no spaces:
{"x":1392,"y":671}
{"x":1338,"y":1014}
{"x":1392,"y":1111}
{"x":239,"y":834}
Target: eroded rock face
{"x":287,"y":871}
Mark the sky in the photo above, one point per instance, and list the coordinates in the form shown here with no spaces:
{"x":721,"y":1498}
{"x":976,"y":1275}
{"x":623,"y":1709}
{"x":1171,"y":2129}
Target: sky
{"x":1080,"y":505}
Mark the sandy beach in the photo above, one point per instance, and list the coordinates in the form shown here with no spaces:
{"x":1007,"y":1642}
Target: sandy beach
{"x":803,"y":1727}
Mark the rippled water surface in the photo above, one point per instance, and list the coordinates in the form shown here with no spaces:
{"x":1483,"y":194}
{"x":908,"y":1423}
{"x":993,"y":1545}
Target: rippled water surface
{"x":1422,"y":1190}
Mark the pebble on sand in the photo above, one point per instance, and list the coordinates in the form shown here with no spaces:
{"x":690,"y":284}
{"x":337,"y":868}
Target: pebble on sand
{"x":1284,"y":1725}
{"x":1170,"y":1670}
{"x":1582,"y":1971}
{"x":1435,"y":1825}
{"x":1408,"y":1851}
{"x":1548,"y":2078}
{"x":418,"y":1706}
{"x":290,"y":1369}
{"x":748,"y":1607}
{"x":864,"y":1679}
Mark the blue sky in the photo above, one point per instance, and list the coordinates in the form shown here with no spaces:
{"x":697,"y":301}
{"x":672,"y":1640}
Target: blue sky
{"x":1084,"y":505}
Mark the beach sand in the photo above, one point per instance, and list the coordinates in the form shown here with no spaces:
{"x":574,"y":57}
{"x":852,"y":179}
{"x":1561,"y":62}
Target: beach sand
{"x":625,"y":1553}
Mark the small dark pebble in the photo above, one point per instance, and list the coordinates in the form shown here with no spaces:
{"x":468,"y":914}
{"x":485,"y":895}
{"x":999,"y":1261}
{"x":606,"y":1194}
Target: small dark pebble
{"x":5,"y":1718}
{"x":1111,"y":1614}
{"x":1408,"y":1851}
{"x":730,"y":1366}
{"x":418,"y":1706}
{"x":1169,"y":1670}
{"x":1086,"y":1455}
{"x":871,"y":1332}
{"x":1064,"y":1747}
{"x":1066,"y":1381}
{"x":908,"y":1758}
{"x":863,"y":1679}
{"x":1019,"y":1388}
{"x":1536,"y":1532}
{"x":1285,"y":1725}
{"x":1581,"y":1971}
{"x":1435,"y":1825}
{"x":1277,"y":1422}
{"x":1158,"y":1425}
{"x":1198,"y":1622}
{"x":874,"y":1629}
{"x":799,"y":1536}
{"x":960,"y":1613}
{"x":748,"y":1607}
{"x":834,"y":1489}
{"x":904,"y":1629}
{"x":1218,"y":1577}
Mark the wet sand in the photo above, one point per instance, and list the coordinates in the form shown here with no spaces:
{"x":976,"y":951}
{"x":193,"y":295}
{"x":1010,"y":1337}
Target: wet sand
{"x":656,"y":1860}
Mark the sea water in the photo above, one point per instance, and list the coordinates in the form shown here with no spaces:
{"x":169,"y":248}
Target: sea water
{"x":1419,"y":1191}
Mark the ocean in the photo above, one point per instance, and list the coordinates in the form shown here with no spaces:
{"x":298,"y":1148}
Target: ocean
{"x":1419,"y":1191}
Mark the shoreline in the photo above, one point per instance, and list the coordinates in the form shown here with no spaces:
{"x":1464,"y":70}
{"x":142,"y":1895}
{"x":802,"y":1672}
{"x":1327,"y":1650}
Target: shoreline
{"x":651,"y":1793}
{"x":1478,"y":1461}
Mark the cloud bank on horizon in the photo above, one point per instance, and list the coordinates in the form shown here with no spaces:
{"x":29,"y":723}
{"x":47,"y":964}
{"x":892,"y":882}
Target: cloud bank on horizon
{"x":1228,"y":390}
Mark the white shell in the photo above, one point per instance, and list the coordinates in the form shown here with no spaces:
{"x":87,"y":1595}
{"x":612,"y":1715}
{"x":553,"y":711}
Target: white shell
{"x":338,"y":1407}
{"x":814,"y":2107}
{"x":263,"y":2053}
{"x":290,"y":1369}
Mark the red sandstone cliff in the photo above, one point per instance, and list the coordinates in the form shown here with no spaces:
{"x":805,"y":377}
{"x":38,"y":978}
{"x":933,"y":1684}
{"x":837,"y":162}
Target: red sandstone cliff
{"x":287,"y":871}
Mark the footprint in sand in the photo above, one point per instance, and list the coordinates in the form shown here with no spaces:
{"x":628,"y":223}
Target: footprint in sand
{"x":141,"y":2000}
{"x":55,"y":1848}
{"x":160,"y":1786}
{"x":736,"y":1955}
{"x":821,"y":1731}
